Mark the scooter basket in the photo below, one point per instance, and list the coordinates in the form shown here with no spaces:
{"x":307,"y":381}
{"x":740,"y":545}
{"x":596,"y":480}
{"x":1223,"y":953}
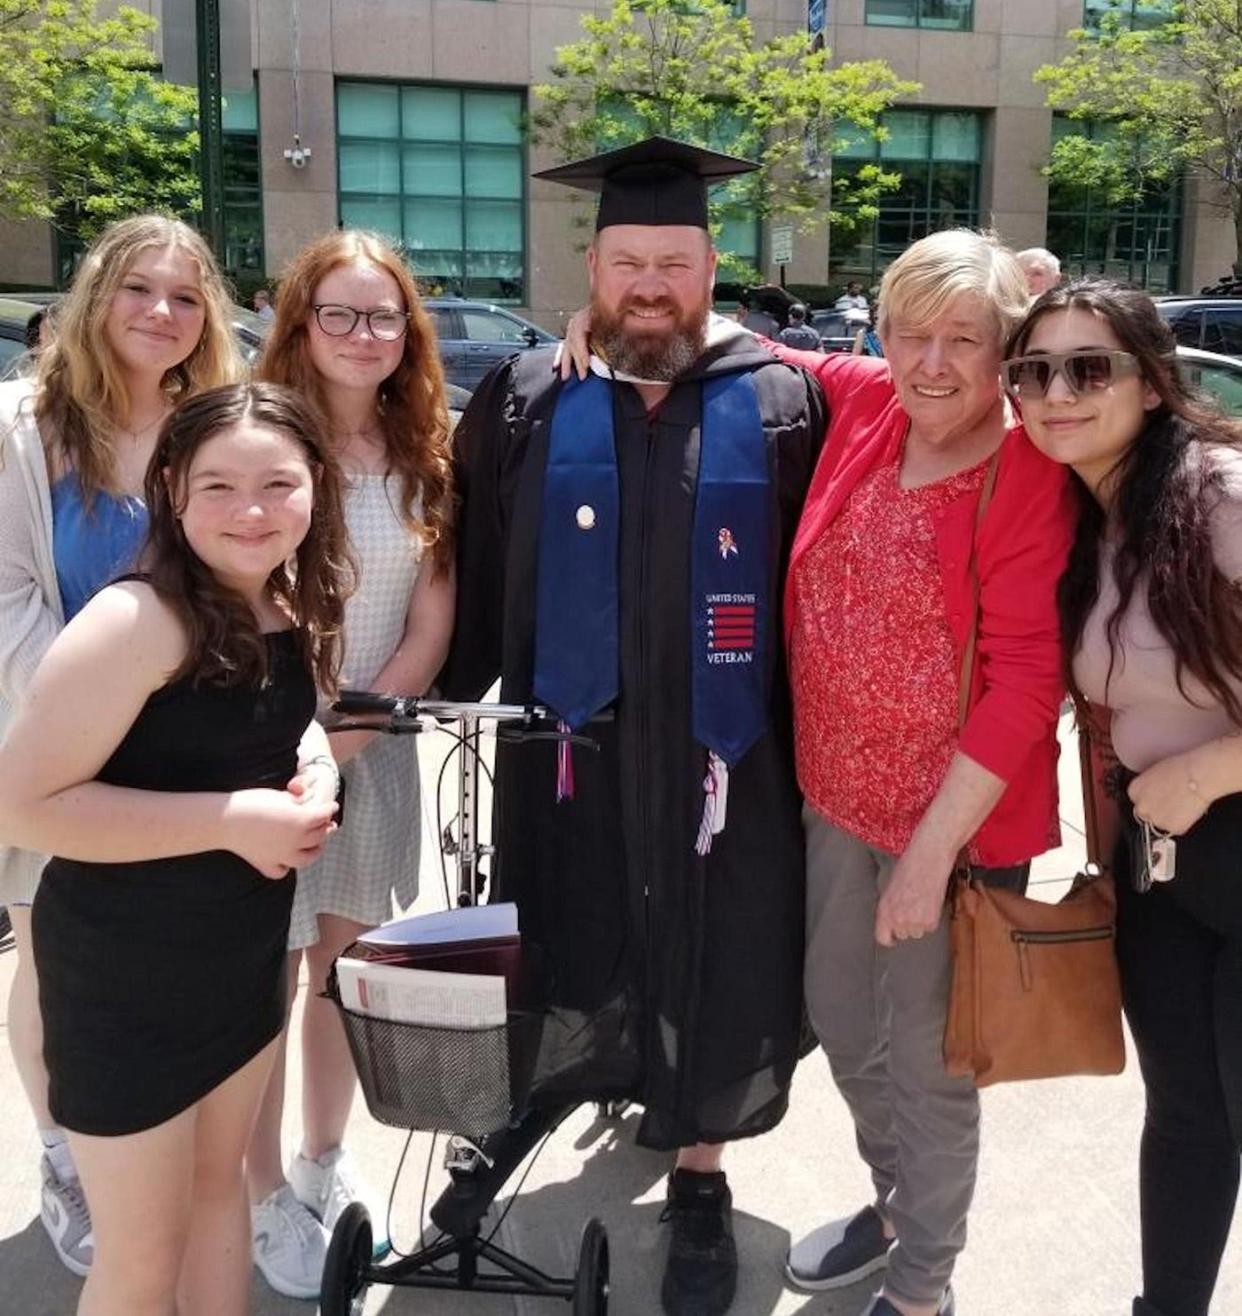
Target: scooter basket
{"x":416,"y":1076}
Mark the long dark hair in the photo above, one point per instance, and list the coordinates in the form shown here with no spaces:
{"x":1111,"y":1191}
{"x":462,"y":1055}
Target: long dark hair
{"x":225,"y":644}
{"x":1165,"y":486}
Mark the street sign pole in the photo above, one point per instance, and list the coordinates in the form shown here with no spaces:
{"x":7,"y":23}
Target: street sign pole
{"x":782,"y":247}
{"x":210,"y":122}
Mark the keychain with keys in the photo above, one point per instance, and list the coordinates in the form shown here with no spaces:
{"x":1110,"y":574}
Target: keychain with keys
{"x":1161,"y":849}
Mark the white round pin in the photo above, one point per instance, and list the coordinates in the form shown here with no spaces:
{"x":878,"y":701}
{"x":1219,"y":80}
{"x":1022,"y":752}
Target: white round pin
{"x":585,"y":517}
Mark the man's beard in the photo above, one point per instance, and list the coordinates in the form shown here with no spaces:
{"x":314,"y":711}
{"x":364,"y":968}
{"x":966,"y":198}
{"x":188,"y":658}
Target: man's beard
{"x":659,"y":357}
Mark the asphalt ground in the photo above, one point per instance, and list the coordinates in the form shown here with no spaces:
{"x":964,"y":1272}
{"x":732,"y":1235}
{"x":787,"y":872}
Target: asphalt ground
{"x":1053,"y":1229}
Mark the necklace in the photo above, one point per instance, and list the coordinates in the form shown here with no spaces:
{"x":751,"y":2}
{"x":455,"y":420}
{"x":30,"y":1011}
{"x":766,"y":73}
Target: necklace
{"x":137,"y":433}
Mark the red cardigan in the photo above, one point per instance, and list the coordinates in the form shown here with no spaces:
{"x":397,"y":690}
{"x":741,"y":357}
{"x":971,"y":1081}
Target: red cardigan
{"x":1022,"y":548}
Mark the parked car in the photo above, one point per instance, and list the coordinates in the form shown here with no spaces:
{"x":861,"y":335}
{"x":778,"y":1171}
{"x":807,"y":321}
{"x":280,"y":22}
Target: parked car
{"x":474,"y":336}
{"x":1212,"y":324}
{"x":15,"y":312}
{"x":835,"y":334}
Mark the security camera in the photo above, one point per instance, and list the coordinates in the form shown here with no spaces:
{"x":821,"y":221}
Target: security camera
{"x":298,"y":155}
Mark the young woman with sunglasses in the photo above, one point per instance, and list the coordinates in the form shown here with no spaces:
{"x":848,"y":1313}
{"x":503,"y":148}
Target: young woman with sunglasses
{"x":1152,"y":617}
{"x":351,"y":334}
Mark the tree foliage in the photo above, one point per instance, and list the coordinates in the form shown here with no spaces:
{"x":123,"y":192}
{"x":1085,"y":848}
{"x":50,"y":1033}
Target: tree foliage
{"x":1171,"y":97}
{"x":697,"y":73}
{"x":88,"y":131}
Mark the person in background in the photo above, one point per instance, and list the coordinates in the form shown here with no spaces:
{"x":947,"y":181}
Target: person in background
{"x":797,"y":333}
{"x":753,"y":317}
{"x":263,"y":304}
{"x":1042,"y":270}
{"x":866,"y":340}
{"x":852,"y":299}
{"x":351,"y":334}
{"x":1152,"y":617}
{"x":145,"y":324}
{"x":166,"y":754}
{"x":878,"y":609}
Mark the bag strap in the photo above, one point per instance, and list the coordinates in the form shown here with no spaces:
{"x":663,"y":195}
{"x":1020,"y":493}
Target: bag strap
{"x":972,"y":634}
{"x":1090,"y":812}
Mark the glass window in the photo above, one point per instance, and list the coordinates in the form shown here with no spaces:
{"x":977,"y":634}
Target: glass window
{"x":446,"y":326}
{"x":1223,"y":384}
{"x":488,"y":327}
{"x":1140,"y":15}
{"x":243,"y":255}
{"x":442,"y":171}
{"x":953,"y":15}
{"x":1222,"y":331}
{"x":1137,"y":242}
{"x":243,"y":259}
{"x":367,"y":111}
{"x":937,"y":153}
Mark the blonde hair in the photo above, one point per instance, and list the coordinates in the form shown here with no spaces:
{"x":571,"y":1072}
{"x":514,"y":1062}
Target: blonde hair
{"x":927,"y":276}
{"x":81,"y":390}
{"x":413,"y":412}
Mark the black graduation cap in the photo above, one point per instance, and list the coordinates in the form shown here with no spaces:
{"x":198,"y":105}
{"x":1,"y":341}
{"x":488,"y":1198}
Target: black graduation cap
{"x":657,"y":181}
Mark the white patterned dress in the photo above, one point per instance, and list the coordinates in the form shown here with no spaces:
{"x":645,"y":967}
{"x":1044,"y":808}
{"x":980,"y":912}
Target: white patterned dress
{"x":373,"y":859}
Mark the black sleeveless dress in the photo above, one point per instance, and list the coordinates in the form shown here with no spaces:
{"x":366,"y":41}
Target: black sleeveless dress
{"x":157,"y":980}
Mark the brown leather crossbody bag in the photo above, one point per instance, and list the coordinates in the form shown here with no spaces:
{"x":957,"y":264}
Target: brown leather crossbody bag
{"x":1035,"y":991}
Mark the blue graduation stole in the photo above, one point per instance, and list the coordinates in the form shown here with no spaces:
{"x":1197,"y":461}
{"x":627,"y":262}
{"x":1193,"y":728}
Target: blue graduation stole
{"x":576,"y":646}
{"x":576,"y":609}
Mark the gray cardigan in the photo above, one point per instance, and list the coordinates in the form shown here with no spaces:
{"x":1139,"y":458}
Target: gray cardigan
{"x":30,"y":610}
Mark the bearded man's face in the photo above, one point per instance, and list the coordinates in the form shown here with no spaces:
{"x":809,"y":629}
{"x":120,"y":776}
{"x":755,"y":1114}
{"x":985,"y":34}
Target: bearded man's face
{"x":651,"y":294}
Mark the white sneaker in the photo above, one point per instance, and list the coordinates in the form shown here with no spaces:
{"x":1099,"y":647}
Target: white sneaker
{"x":327,"y":1186}
{"x":67,"y":1219}
{"x":288,"y":1244}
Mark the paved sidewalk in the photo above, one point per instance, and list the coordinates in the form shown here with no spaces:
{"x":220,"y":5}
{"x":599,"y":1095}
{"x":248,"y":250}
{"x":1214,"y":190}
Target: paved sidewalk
{"x":1053,"y":1231}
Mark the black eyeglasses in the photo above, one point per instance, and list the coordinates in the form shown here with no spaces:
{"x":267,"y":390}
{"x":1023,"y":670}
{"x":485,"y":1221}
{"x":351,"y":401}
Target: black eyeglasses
{"x":1032,"y":376}
{"x":384,"y":324}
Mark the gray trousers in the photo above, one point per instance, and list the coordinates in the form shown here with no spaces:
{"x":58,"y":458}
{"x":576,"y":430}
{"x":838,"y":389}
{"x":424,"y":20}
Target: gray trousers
{"x":880,"y":1014}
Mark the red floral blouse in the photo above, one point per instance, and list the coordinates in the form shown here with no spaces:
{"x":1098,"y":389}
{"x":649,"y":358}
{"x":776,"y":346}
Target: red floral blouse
{"x":875,"y":680}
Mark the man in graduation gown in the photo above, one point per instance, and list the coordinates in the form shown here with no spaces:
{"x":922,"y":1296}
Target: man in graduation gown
{"x":622,"y":550}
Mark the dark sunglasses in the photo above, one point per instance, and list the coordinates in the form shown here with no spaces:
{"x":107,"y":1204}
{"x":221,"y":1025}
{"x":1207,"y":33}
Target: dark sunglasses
{"x":1032,"y":376}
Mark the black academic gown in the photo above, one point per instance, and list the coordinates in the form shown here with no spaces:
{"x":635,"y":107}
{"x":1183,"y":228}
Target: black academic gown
{"x":677,"y":979}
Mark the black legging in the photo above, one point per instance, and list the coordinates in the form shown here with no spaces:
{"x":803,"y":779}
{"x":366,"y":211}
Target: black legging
{"x":1180,"y":949}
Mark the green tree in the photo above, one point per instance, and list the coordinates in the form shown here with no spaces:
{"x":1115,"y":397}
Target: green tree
{"x":1171,"y":97}
{"x":696,"y":72}
{"x":88,"y":131}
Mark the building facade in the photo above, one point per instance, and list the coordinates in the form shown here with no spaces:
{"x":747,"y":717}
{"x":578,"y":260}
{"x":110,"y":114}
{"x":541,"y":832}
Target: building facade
{"x":410,"y":118}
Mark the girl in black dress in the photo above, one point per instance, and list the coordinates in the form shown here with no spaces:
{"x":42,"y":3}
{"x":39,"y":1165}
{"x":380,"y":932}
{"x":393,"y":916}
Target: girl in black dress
{"x":166,"y":754}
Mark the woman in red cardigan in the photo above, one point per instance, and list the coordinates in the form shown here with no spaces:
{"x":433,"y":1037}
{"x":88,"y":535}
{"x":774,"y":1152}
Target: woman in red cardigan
{"x":878,"y":607}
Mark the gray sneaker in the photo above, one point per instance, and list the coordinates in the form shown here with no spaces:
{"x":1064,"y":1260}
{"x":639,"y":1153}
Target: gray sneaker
{"x":839,"y":1253}
{"x":67,"y":1219}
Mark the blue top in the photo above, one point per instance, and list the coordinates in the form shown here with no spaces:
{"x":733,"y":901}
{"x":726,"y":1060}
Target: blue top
{"x":871,"y":343}
{"x":92,"y":546}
